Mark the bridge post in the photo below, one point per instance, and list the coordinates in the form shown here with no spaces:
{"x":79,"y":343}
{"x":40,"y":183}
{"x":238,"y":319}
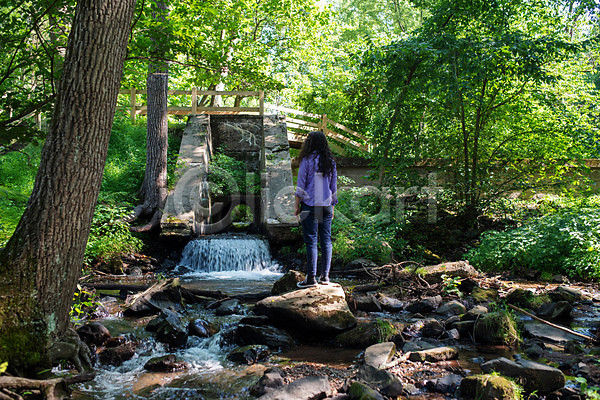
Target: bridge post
{"x":194,"y":100}
{"x":132,"y":104}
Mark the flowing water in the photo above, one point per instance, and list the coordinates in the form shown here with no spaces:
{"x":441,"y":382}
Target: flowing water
{"x":230,"y":263}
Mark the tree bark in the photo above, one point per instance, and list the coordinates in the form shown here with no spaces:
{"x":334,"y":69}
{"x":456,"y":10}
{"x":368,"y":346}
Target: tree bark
{"x":154,"y":188}
{"x":41,"y":263}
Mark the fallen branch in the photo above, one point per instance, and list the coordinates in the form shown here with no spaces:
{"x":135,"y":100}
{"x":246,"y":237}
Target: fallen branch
{"x":52,"y":389}
{"x":562,"y":328}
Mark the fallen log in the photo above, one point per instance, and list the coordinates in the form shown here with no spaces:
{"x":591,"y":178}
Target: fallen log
{"x":216,"y":294}
{"x":562,"y":328}
{"x":51,"y":389}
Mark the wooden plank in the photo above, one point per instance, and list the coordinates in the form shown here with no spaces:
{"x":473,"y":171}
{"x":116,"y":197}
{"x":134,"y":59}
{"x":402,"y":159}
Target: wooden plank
{"x":301,"y":122}
{"x":292,"y":111}
{"x":201,"y":92}
{"x":302,"y":127}
{"x":194,"y":100}
{"x":345,"y":129}
{"x":261,"y":102}
{"x":202,"y":109}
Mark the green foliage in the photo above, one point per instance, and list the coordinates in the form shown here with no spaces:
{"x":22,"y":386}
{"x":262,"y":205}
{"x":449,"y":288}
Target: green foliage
{"x":3,"y":367}
{"x":228,"y":175}
{"x":566,"y":242}
{"x":85,"y":303}
{"x":451,"y":284}
{"x":590,"y":392}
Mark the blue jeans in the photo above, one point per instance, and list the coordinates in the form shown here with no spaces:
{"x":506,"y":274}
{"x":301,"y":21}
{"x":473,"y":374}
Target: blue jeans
{"x":316,"y":223}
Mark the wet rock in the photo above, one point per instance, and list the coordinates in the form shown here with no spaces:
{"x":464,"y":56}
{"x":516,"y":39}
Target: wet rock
{"x":379,"y":355}
{"x":115,"y":341}
{"x":360,"y":391}
{"x":367,"y":303}
{"x":386,"y":382}
{"x":93,"y":333}
{"x":418,"y":345}
{"x":250,"y":354}
{"x":449,"y":321}
{"x":545,"y":332}
{"x":390,"y":304}
{"x":453,"y":334}
{"x":266,"y":335}
{"x":520,"y":298}
{"x":319,"y":308}
{"x":201,"y":328}
{"x":228,"y":307}
{"x":168,"y":329}
{"x":117,"y":355}
{"x":161,"y":295}
{"x":168,"y":363}
{"x":573,"y":347}
{"x":474,"y":312}
{"x":488,"y":387}
{"x":533,"y":350}
{"x":310,"y":387}
{"x":496,"y":328}
{"x":434,"y":355}
{"x":453,"y":307}
{"x":566,"y":293}
{"x":287,"y":283}
{"x":426,"y":305}
{"x":255,"y":320}
{"x":559,"y":311}
{"x":367,"y":333}
{"x":271,"y":379}
{"x":481,"y":295}
{"x":457,"y":269}
{"x":532,"y":375}
{"x":464,"y":328}
{"x":432,"y":328}
{"x":467,"y":285}
{"x":446,"y":384}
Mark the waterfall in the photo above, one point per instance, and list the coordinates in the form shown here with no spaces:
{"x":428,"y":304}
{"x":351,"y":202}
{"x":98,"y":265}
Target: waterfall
{"x":227,"y":253}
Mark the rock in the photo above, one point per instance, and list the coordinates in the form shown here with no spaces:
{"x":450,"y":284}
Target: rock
{"x":115,"y":341}
{"x":573,"y":347}
{"x":201,"y":328}
{"x":161,"y":295}
{"x":271,"y":379}
{"x":386,"y":382}
{"x":434,"y":355}
{"x":488,"y":387}
{"x":467,"y":285}
{"x":310,"y":387}
{"x":426,"y":305}
{"x":266,"y":335}
{"x":93,"y":333}
{"x":367,"y":303}
{"x":287,"y":283}
{"x":135,"y":271}
{"x":457,"y":269}
{"x":360,"y":263}
{"x":379,"y":355}
{"x":250,"y":354}
{"x":228,"y":307}
{"x":390,"y":304}
{"x":168,"y":363}
{"x":539,"y":330}
{"x":464,"y":328}
{"x":367,"y":333}
{"x":453,"y":307}
{"x":481,"y":295}
{"x":520,"y":298}
{"x":117,"y":355}
{"x":432,"y":328}
{"x":532,"y":375}
{"x":418,"y":345}
{"x":360,"y":391}
{"x":559,"y":311}
{"x":496,"y":328}
{"x":169,"y":329}
{"x":446,"y":384}
{"x":474,"y":312}
{"x":255,"y":320}
{"x":533,"y":350}
{"x":566,"y":293}
{"x":453,"y":334}
{"x":319,"y":308}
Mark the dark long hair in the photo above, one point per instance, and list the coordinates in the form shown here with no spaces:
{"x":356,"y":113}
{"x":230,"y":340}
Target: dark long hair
{"x":316,"y":143}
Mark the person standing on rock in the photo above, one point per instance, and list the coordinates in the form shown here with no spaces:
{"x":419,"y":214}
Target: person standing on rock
{"x":316,"y":196}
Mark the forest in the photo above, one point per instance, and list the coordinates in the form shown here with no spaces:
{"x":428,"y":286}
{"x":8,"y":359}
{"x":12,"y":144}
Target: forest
{"x":485,"y":113}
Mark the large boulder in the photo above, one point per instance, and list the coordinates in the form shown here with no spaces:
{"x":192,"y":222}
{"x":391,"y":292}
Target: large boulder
{"x":425,"y":305}
{"x":93,"y":333}
{"x":558,"y":311}
{"x":168,"y":329}
{"x":117,"y":355}
{"x":168,"y":363}
{"x":319,"y":308}
{"x":532,"y":375}
{"x":287,"y":283}
{"x":310,"y":387}
{"x":266,"y":335}
{"x":488,"y":387}
{"x":457,"y":269}
{"x":566,"y":293}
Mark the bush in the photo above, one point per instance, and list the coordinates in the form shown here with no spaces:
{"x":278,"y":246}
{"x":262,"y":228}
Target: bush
{"x":227,"y":175}
{"x":565,"y":242}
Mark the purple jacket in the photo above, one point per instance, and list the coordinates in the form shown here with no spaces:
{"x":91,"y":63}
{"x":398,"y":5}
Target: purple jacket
{"x":313,"y":188}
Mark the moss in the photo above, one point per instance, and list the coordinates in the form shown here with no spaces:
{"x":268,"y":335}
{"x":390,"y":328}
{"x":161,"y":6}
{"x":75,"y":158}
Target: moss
{"x":385,"y":330}
{"x":497,"y":328}
{"x":490,"y":387}
{"x":23,"y":348}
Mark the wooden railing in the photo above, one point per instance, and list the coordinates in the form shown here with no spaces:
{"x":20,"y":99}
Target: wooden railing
{"x":299,"y":123}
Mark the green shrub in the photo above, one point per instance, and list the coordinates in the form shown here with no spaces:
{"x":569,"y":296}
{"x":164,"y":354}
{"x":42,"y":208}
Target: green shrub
{"x":227,"y":175}
{"x":566,"y":242}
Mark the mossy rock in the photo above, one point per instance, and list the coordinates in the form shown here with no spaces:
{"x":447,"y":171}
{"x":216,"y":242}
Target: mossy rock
{"x":360,"y":391}
{"x":367,"y":333}
{"x":481,"y":295}
{"x":496,"y":328}
{"x":488,"y":387}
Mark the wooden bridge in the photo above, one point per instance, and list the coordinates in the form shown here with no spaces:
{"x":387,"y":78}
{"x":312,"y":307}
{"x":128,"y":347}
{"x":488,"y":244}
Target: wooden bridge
{"x":299,"y":123}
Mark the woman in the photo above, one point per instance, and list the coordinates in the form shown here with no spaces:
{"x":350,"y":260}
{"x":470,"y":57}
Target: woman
{"x":316,"y":195}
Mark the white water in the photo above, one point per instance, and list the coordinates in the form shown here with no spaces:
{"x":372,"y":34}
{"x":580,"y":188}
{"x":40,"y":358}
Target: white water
{"x":228,"y":257}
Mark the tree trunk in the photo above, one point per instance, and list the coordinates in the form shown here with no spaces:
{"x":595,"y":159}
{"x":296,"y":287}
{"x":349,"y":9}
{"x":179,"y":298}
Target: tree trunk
{"x":41,"y":263}
{"x":154,"y":188}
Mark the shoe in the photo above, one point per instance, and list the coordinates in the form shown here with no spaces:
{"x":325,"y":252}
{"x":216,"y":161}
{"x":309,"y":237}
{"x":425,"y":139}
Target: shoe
{"x":324,"y":280}
{"x":308,"y":282}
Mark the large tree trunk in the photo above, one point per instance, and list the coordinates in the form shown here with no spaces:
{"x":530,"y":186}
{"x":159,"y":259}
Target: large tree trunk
{"x":41,"y":263}
{"x":154,"y":188}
